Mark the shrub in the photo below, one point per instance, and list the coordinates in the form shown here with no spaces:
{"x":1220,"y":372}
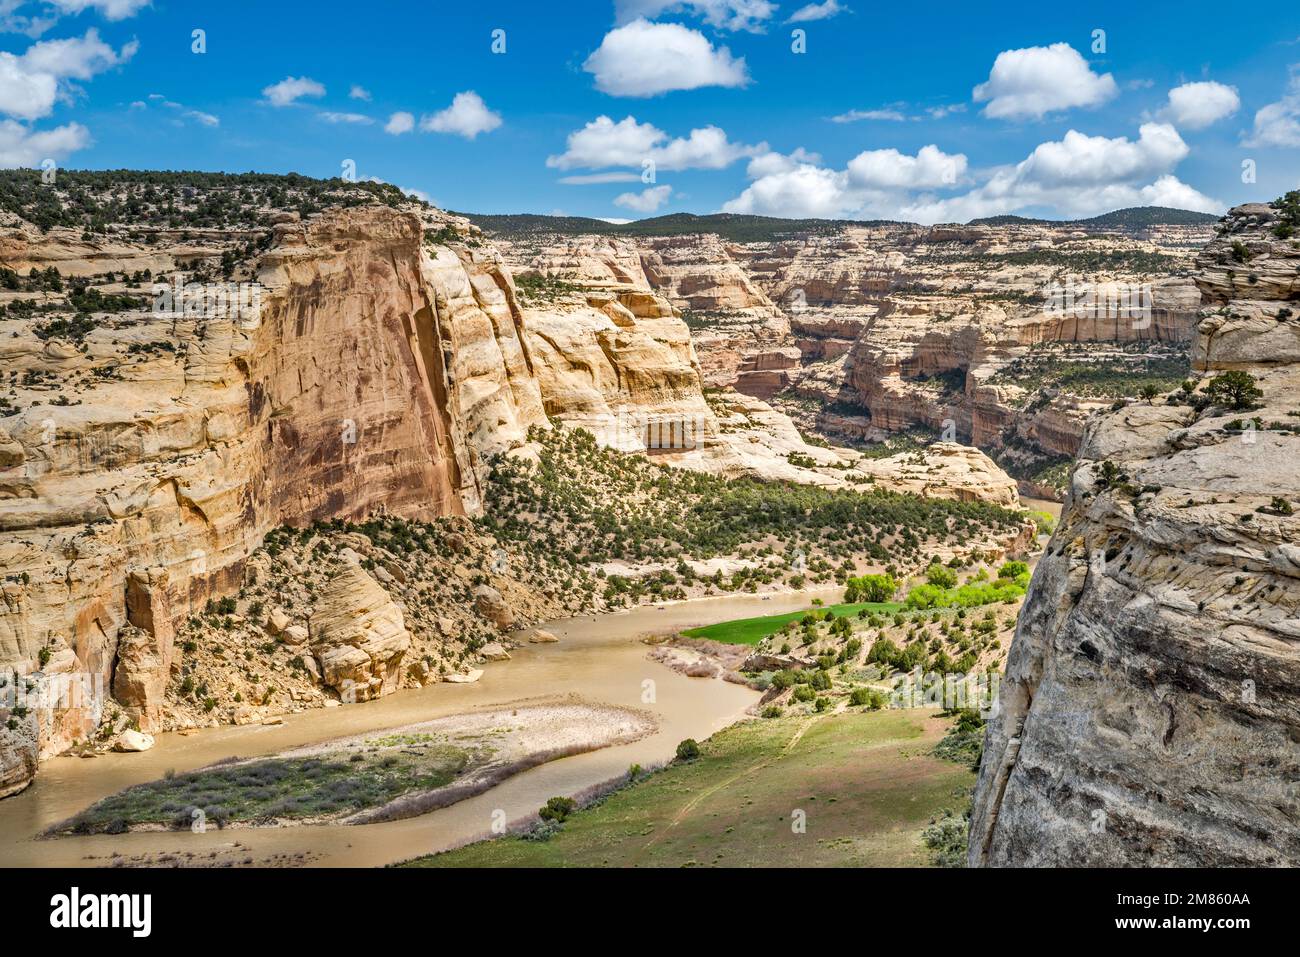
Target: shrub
{"x":867,"y":698}
{"x":688,"y":750}
{"x":544,"y":830}
{"x":1013,"y":570}
{"x":941,"y":577}
{"x":557,"y":809}
{"x":947,"y":840}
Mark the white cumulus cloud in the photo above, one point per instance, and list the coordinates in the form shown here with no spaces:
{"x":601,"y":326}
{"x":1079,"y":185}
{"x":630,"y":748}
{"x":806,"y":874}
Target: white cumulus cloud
{"x":108,"y":9}
{"x":646,"y":201}
{"x":400,"y":123}
{"x":1278,"y":123}
{"x":1194,"y":106}
{"x":930,"y":168}
{"x":20,"y":146}
{"x":1075,"y":176}
{"x":588,"y":179}
{"x":357,"y":119}
{"x":1077,"y":159}
{"x":875,"y":183}
{"x":468,"y":116}
{"x":853,"y":116}
{"x":1079,"y":176}
{"x":723,"y":14}
{"x":359,"y":93}
{"x":1032,"y":82}
{"x":817,"y":11}
{"x":291,"y":89}
{"x":603,"y":143}
{"x":32,"y":83}
{"x":643,"y":59}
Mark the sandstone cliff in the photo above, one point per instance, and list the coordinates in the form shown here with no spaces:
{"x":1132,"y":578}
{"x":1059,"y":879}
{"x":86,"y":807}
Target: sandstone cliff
{"x":1149,"y":714}
{"x":376,"y":377}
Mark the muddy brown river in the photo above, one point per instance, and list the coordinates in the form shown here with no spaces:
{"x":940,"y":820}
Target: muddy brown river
{"x":601,"y":659}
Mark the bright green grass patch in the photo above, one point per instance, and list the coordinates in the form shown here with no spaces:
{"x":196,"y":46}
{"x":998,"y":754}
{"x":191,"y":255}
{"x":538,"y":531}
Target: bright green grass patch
{"x":865,"y":785}
{"x":750,"y":631}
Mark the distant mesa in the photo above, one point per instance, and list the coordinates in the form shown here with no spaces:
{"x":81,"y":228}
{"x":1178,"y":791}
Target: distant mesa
{"x":745,"y":228}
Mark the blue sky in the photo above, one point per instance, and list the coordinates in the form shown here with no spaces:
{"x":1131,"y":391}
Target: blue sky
{"x":930,"y":112}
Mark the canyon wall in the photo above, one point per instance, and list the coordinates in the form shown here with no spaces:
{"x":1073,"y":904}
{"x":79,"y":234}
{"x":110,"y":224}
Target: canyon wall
{"x":376,"y":377}
{"x":1150,"y":715}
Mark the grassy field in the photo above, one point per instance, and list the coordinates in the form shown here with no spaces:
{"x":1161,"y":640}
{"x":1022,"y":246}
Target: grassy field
{"x":750,"y":631}
{"x":866,"y":782}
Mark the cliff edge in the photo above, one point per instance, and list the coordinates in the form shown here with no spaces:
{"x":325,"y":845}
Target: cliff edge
{"x":1150,"y":712}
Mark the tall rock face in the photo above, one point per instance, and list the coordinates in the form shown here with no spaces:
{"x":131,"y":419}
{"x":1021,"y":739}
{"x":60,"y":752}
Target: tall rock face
{"x":1150,"y":713}
{"x":378,"y":374}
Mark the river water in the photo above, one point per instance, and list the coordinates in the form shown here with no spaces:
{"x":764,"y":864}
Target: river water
{"x":602,"y":659}
{"x":1042,"y":505}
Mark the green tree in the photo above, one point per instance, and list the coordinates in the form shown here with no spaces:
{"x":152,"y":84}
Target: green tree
{"x":1236,"y":390}
{"x":870,"y":588}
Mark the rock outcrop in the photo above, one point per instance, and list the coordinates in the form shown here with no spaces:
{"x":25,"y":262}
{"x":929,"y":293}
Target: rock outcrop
{"x":358,"y":636}
{"x":944,"y":470}
{"x":1150,"y":713}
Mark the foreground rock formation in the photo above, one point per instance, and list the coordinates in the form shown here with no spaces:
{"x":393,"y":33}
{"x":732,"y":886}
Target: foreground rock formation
{"x":1150,"y":712}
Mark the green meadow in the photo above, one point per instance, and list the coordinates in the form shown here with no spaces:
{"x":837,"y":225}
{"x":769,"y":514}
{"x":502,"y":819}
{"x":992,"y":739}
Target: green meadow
{"x":750,"y":631}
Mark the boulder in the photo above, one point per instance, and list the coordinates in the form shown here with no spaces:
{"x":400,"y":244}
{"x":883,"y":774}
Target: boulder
{"x":540,"y":637}
{"x":470,"y":676}
{"x":490,"y":604}
{"x":131,"y":740}
{"x":277,"y":621}
{"x":494,"y":651}
{"x":295,"y":635}
{"x":310,"y":666}
{"x":358,"y":636}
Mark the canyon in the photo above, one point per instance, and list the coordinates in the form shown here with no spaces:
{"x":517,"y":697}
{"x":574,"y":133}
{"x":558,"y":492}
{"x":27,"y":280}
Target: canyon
{"x":417,"y":433}
{"x":959,"y":333}
{"x":368,"y":359}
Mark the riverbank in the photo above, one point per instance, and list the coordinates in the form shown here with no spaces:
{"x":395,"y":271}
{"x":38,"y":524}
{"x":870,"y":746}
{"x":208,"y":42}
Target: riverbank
{"x":850,"y":789}
{"x":603,"y":659}
{"x":397,"y":773}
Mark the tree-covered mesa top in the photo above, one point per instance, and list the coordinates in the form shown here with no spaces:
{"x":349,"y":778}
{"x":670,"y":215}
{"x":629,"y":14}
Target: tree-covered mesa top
{"x":92,"y":200}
